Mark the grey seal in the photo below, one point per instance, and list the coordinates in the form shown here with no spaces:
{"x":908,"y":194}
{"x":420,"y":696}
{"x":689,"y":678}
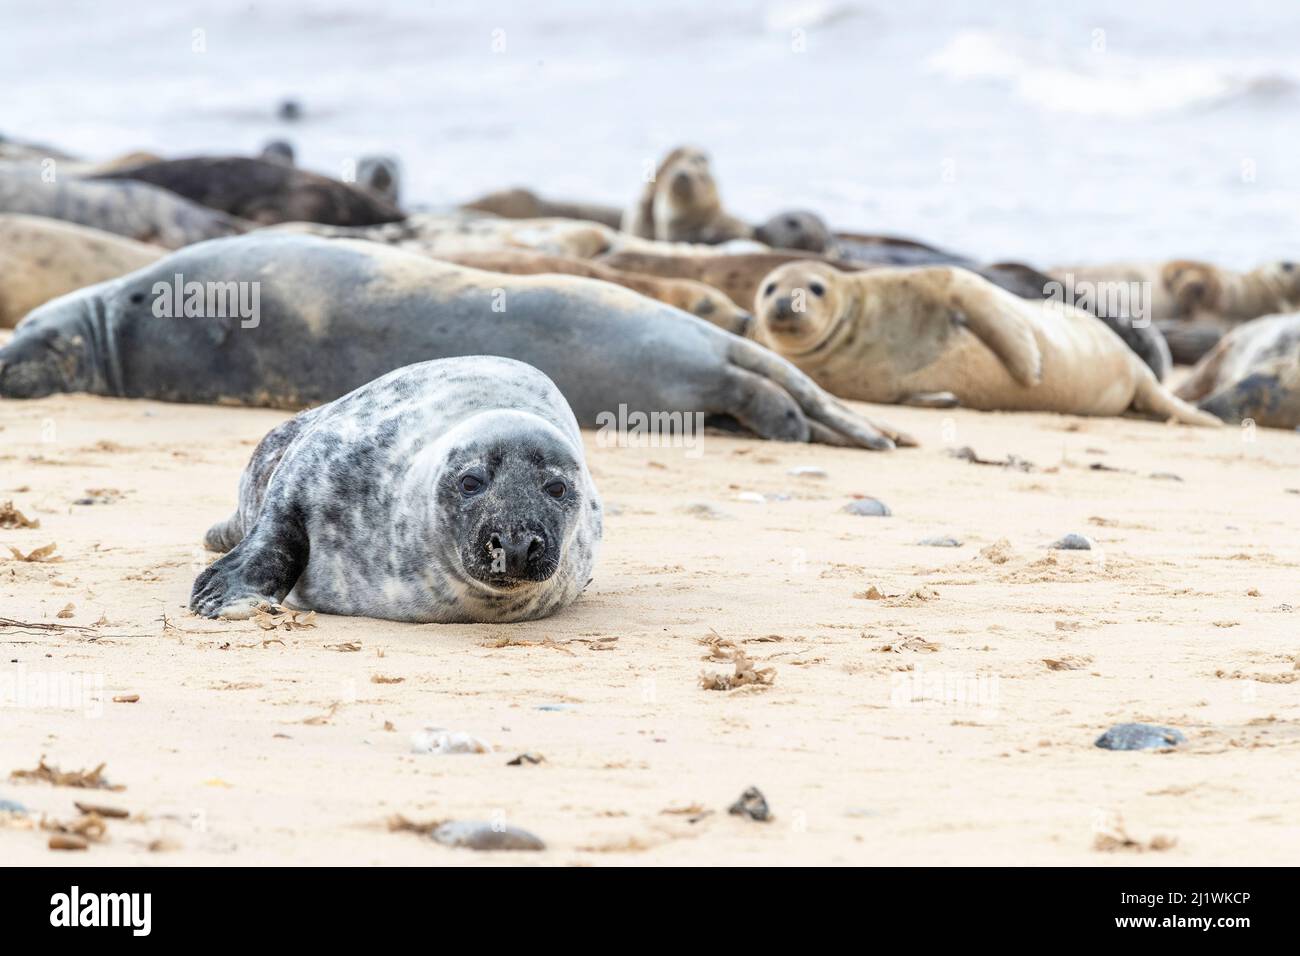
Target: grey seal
{"x":333,"y":314}
{"x":805,"y":231}
{"x":263,"y":191}
{"x":1253,"y":374}
{"x":446,"y":491}
{"x":136,"y":210}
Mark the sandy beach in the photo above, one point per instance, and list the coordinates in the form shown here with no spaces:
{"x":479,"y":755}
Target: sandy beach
{"x":926,"y":705}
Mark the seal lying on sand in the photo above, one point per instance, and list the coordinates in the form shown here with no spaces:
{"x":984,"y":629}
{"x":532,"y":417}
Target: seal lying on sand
{"x":936,"y":333}
{"x":686,"y":294}
{"x":1253,"y":373}
{"x":740,"y":275}
{"x":448,"y":491}
{"x":526,"y":204}
{"x":681,"y":204}
{"x":1184,"y":289}
{"x":263,"y":191}
{"x":329,"y":315}
{"x":42,"y":259}
{"x":135,"y":210}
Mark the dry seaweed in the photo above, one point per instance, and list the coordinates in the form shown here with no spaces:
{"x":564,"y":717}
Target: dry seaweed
{"x":85,"y":779}
{"x":400,"y":824}
{"x":11,"y":517}
{"x":270,"y":617}
{"x":44,"y":555}
{"x":744,"y":674}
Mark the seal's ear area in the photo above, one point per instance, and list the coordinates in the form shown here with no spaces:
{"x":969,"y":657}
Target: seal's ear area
{"x":997,"y":319}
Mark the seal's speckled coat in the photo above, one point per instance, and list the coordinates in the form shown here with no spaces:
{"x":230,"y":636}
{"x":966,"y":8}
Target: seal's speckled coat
{"x":356,"y":507}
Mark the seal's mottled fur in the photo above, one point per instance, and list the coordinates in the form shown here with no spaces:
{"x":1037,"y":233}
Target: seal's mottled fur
{"x":357,"y":507}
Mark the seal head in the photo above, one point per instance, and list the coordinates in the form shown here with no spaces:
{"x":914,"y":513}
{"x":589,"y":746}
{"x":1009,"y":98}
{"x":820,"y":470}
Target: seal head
{"x":799,"y":307}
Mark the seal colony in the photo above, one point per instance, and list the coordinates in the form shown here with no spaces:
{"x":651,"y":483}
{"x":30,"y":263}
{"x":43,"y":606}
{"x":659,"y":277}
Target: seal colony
{"x":447,"y":360}
{"x":447,"y":491}
{"x":335,"y":314}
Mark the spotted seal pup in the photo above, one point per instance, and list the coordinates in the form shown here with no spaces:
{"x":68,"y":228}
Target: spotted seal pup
{"x":446,"y":491}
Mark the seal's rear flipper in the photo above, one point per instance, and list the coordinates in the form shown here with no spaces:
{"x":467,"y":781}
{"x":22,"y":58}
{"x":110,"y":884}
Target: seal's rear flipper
{"x":262,"y":569}
{"x":1154,"y":399}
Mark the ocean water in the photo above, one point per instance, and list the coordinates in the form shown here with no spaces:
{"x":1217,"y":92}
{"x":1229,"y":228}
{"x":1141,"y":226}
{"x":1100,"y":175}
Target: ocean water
{"x":1047,"y":132}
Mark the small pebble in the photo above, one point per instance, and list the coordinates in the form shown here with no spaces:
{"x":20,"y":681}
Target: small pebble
{"x":480,"y":835}
{"x":1072,"y":542}
{"x":940,"y":542}
{"x":751,"y":804}
{"x":8,"y":806}
{"x":1165,"y":476}
{"x":552,"y":706}
{"x":751,"y":497}
{"x":704,"y":510}
{"x":868,"y":507}
{"x":525,"y":758}
{"x":1139,"y":737}
{"x":808,"y":471}
{"x":437,"y":740}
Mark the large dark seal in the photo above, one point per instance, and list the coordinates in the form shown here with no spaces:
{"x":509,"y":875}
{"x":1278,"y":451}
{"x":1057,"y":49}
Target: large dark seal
{"x":136,"y":210}
{"x":1252,"y":374}
{"x":448,"y":491}
{"x":263,"y":191}
{"x":333,"y":314}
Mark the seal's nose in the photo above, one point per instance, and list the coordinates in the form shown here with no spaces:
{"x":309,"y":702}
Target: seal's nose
{"x":783,"y":311}
{"x":514,"y":553}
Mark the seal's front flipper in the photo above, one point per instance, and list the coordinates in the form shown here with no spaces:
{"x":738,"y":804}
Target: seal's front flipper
{"x":262,"y":569}
{"x":995,"y":317}
{"x":820,"y":414}
{"x":931,"y":400}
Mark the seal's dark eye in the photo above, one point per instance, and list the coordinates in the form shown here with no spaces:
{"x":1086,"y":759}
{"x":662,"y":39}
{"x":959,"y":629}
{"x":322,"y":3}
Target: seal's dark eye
{"x":817,"y":289}
{"x":1288,"y":266}
{"x":792,"y":223}
{"x":556,"y":489}
{"x":471,"y":484}
{"x":771,"y":287}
